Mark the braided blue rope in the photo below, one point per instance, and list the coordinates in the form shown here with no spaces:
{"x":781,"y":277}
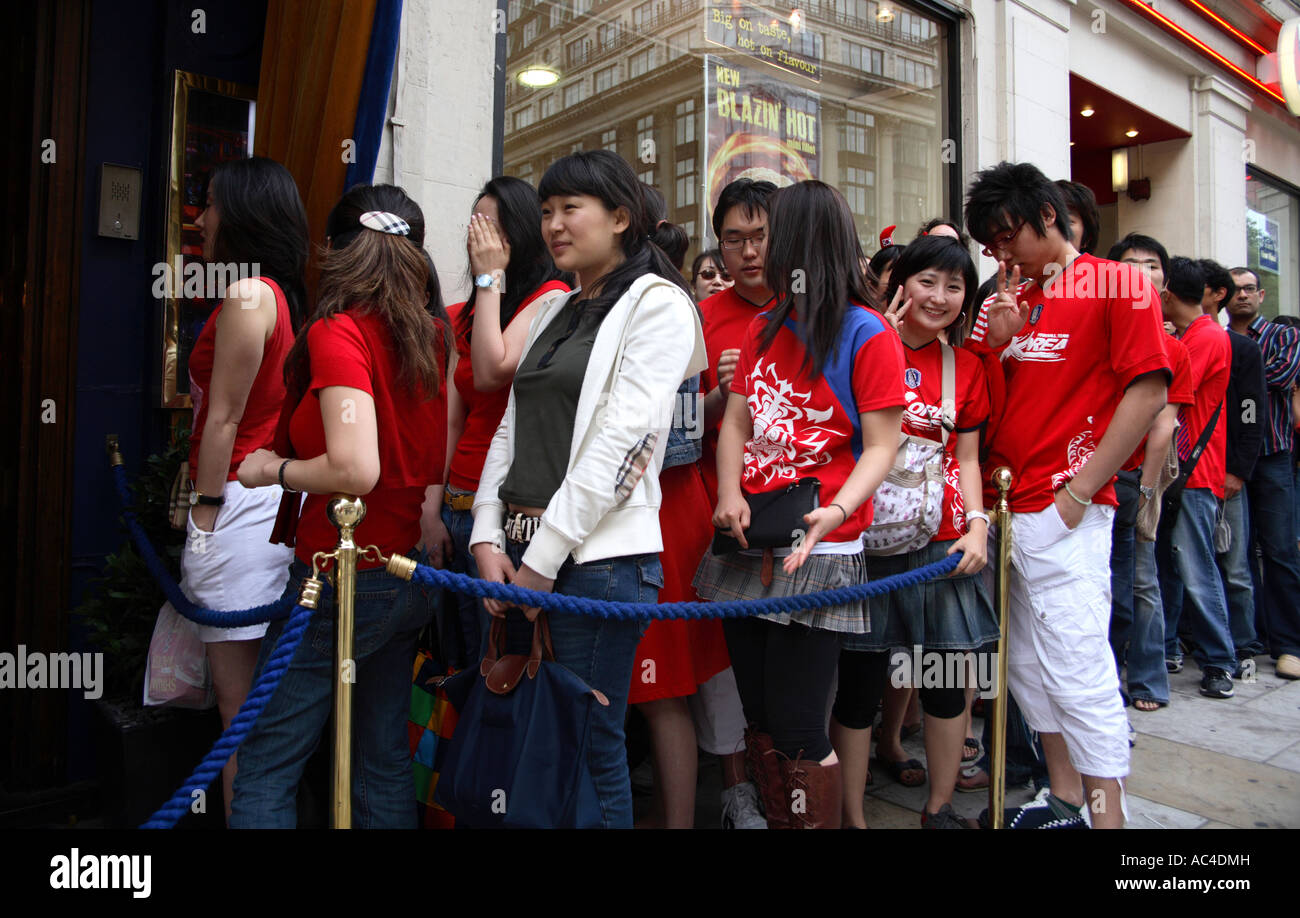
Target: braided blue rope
{"x":556,"y":602}
{"x":277,"y":665}
{"x":236,"y":619}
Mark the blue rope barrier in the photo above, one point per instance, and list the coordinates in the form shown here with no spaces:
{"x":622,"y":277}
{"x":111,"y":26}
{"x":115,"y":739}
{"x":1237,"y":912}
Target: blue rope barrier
{"x":235,"y":619}
{"x":277,"y":665}
{"x":557,"y":602}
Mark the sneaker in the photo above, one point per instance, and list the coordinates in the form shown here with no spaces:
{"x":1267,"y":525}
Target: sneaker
{"x":1174,"y":664}
{"x":1215,"y":683}
{"x":740,"y":807}
{"x":944,"y":819}
{"x":1043,"y":812}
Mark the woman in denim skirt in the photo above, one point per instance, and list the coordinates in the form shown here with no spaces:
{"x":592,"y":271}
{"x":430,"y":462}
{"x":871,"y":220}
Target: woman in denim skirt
{"x":932,"y":292}
{"x":366,"y":415}
{"x":568,"y":500}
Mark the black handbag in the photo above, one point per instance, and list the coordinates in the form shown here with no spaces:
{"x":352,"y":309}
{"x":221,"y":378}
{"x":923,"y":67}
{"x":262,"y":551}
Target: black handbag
{"x":1172,"y":500}
{"x":775,"y":518}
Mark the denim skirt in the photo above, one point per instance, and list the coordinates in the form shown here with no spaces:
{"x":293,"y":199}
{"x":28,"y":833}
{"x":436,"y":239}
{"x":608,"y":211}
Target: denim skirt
{"x":949,"y":613}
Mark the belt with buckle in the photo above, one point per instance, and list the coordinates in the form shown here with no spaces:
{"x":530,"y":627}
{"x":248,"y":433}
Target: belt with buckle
{"x":458,"y":501}
{"x":520,"y":527}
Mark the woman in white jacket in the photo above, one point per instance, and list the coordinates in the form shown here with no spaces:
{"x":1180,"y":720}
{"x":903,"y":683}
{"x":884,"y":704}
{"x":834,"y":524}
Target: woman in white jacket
{"x":569,"y":496}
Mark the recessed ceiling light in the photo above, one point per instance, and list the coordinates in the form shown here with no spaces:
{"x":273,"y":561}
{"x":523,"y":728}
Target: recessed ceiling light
{"x":1131,"y":133}
{"x":1071,"y":143}
{"x":1087,"y":111}
{"x":884,"y":15}
{"x":538,"y":76}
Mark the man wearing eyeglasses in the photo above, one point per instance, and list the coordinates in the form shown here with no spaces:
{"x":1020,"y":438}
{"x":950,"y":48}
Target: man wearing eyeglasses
{"x":1271,"y":486}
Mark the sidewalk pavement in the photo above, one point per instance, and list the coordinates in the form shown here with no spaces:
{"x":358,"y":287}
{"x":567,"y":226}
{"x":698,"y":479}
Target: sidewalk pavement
{"x":1200,"y":763}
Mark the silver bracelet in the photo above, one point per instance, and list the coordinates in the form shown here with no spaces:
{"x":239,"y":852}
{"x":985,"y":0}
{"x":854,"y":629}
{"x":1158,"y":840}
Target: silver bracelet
{"x":977,"y":515}
{"x":1077,"y":498}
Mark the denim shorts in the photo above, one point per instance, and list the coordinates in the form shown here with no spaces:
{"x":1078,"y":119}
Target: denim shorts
{"x":949,"y":613}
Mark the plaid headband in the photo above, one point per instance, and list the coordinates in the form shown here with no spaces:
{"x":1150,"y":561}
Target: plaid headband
{"x":383,"y":222}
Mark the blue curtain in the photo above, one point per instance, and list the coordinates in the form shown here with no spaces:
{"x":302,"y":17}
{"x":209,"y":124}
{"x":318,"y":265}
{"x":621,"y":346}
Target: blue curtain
{"x":372,"y":107}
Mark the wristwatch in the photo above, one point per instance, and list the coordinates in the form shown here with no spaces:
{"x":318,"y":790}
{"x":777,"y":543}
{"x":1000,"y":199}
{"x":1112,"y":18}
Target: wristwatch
{"x":1146,"y":491}
{"x":198,"y":497}
{"x":494,"y":281}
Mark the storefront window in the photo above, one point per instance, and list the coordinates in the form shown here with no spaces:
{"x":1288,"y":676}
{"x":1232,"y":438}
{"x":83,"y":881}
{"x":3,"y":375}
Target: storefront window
{"x":695,"y":93}
{"x":1273,"y":242}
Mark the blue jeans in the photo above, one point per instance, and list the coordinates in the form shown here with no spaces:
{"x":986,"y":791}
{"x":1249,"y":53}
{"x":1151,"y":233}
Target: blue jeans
{"x":1187,"y":569}
{"x":1123,"y":538}
{"x":1024,"y":761}
{"x":389,"y":615}
{"x":602,"y":652}
{"x":468,"y":610}
{"x":1237,"y":584}
{"x":1148,"y":680}
{"x":1272,"y":517}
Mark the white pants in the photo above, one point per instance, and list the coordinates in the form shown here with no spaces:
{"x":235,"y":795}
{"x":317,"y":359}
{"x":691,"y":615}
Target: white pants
{"x":235,"y":567}
{"x":719,"y":716}
{"x":1059,"y":662}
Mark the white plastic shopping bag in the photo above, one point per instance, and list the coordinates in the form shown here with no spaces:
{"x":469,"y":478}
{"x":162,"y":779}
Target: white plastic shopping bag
{"x":177,"y":672}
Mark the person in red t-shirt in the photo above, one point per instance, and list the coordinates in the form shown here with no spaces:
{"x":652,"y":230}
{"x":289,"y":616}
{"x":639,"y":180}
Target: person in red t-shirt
{"x":1086,"y":374}
{"x":368,"y":417}
{"x":513,"y":276}
{"x":237,"y":386}
{"x":830,"y":409}
{"x":932,"y":290}
{"x":1185,"y":547}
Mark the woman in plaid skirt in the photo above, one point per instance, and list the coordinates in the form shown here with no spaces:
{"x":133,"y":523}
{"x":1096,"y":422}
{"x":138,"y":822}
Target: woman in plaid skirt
{"x":817,"y":393}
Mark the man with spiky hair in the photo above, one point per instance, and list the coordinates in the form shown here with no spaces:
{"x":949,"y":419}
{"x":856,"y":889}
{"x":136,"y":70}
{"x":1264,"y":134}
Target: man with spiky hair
{"x":1085,"y":377}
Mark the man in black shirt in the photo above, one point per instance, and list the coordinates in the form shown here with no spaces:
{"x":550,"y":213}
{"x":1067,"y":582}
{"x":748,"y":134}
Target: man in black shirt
{"x":1244,"y":405}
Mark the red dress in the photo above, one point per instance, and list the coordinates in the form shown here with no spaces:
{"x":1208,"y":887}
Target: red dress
{"x":676,"y":656}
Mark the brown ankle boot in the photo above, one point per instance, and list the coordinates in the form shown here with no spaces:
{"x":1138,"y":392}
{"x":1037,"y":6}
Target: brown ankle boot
{"x":814,"y":794}
{"x":765,"y":772}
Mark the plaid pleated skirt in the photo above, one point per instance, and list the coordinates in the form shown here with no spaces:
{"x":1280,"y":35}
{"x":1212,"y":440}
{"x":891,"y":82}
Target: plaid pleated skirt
{"x":721,"y":578}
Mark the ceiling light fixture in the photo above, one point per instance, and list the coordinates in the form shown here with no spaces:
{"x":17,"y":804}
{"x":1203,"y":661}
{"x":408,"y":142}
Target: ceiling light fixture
{"x":1087,"y":111}
{"x":1131,"y":132}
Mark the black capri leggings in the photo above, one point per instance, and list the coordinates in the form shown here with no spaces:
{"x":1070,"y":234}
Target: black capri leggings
{"x":784,"y":675}
{"x":862,"y":685}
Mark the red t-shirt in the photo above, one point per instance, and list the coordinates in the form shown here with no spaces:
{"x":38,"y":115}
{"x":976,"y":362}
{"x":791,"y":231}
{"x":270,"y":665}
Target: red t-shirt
{"x":726,"y":316}
{"x":1180,"y":392}
{"x":262,"y":409}
{"x":483,"y":410}
{"x":923,"y":392}
{"x":1210,"y":353}
{"x":1066,"y":371}
{"x":355,"y":349}
{"x":809,"y":428}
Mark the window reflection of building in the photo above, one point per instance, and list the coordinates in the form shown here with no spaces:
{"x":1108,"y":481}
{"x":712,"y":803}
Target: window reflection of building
{"x":631,"y":80}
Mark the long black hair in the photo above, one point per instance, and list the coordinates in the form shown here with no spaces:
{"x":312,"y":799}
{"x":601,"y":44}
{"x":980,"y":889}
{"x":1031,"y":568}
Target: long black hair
{"x":519,"y":214}
{"x":942,"y":253}
{"x":607,"y":176}
{"x":261,"y":221}
{"x":813,"y":266}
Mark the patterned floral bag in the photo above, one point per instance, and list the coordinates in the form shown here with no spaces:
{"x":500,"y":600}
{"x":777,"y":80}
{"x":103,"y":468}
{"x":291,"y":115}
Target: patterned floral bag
{"x":908,"y":505}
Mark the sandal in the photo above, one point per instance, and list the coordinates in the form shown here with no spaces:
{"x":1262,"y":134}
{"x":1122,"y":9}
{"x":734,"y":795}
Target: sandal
{"x":971,"y":750}
{"x":1145,"y":704}
{"x":897,"y":770}
{"x":972,"y":779}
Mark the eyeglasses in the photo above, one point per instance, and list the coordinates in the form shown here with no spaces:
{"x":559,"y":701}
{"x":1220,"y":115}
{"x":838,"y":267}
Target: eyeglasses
{"x":1002,"y":240}
{"x":1252,"y":289}
{"x":711,"y":273}
{"x":737,"y":243}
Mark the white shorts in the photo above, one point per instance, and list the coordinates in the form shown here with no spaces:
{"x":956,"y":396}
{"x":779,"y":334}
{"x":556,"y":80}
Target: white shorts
{"x":235,"y":567}
{"x":1059,"y":663}
{"x":719,"y":716}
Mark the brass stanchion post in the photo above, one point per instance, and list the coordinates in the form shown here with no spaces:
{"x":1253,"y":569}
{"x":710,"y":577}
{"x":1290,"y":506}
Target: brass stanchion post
{"x":346,"y":513}
{"x":998,"y":754}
